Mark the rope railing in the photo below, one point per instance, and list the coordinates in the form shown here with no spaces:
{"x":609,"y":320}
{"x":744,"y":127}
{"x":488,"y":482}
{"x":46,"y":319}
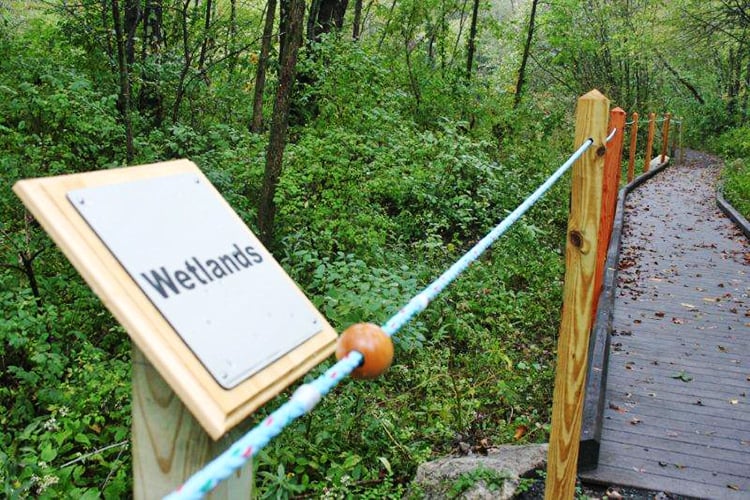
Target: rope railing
{"x":307,"y":395}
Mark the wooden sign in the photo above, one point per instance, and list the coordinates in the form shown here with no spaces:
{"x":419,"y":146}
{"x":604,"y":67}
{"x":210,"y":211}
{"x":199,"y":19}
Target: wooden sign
{"x":198,"y":293}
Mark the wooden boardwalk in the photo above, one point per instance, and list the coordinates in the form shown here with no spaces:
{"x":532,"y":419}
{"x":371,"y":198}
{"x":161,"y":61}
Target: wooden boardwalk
{"x":677,"y":411}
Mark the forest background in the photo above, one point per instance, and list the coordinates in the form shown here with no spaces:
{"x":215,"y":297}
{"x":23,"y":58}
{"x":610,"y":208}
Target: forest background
{"x":369,"y":143}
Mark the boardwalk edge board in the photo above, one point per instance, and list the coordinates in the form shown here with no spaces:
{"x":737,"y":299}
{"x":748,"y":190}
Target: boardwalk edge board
{"x":732,"y":213}
{"x":596,"y":376}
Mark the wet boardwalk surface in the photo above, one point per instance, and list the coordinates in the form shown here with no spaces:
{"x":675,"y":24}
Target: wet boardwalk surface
{"x":677,"y":411}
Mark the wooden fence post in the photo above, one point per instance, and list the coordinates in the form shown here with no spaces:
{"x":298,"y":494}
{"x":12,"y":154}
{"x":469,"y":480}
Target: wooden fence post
{"x":665,"y":137}
{"x":673,"y":146}
{"x":580,"y":266}
{"x":650,"y":141}
{"x":633,"y":142}
{"x":610,"y":187}
{"x":682,"y":149}
{"x":169,"y":445}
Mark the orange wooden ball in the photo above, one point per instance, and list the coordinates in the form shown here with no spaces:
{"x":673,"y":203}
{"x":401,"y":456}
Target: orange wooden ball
{"x":373,"y":343}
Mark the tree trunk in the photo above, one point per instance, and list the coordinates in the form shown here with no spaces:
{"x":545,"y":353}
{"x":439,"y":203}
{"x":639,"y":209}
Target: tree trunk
{"x":325,"y":15}
{"x":132,"y":20}
{"x":525,"y":58}
{"x":123,"y":99}
{"x":150,"y":100}
{"x":472,"y":40}
{"x":206,"y":40}
{"x":260,"y":75}
{"x":357,"y":19}
{"x":280,"y":118}
{"x":186,"y":62}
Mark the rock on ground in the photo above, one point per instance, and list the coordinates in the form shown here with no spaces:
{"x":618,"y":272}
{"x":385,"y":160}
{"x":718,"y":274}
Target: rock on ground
{"x":492,"y":476}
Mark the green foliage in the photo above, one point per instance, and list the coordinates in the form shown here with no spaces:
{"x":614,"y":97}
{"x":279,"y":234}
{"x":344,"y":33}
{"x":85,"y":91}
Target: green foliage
{"x":736,"y":176}
{"x":492,"y":480}
{"x":734,"y":147}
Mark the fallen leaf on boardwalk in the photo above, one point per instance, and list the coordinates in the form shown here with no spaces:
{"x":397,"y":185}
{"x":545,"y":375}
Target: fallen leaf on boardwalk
{"x":639,"y":470}
{"x":689,"y":306}
{"x":618,"y":409}
{"x":721,"y":348}
{"x":613,"y":494}
{"x":663,"y":464}
{"x":745,"y":442}
{"x":733,"y":487}
{"x":672,"y":434}
{"x":521,"y":431}
{"x":680,"y":466}
{"x":635,"y":421}
{"x":659,"y":314}
{"x":710,"y":299}
{"x":682,"y":376}
{"x":734,"y":401}
{"x":677,"y":321}
{"x":699,"y":403}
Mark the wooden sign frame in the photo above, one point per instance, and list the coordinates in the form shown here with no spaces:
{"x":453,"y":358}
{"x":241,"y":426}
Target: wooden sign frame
{"x":217,"y":410}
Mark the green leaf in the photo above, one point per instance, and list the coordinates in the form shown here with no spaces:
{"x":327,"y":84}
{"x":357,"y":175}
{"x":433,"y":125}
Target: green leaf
{"x":681,"y":375}
{"x":48,"y":454}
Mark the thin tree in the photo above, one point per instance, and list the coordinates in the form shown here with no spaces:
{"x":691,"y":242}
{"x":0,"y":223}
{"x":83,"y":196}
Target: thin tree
{"x":525,"y":58}
{"x":292,"y":35}
{"x":123,"y":98}
{"x":357,"y":19}
{"x":260,"y":75}
{"x":472,"y":40}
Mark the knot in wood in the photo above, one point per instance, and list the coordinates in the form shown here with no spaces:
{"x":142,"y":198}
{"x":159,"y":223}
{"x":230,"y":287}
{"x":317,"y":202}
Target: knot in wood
{"x":601,"y":150}
{"x":576,"y":239}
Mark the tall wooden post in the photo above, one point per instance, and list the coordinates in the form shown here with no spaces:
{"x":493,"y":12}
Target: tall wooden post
{"x":169,"y":445}
{"x":665,"y":137}
{"x":682,"y":149}
{"x":580,"y":266}
{"x":673,"y":146}
{"x":650,"y":141}
{"x":633,"y":143}
{"x":610,"y":186}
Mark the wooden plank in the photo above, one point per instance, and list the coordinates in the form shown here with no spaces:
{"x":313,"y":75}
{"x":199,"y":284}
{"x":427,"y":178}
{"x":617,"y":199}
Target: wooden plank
{"x":713,"y":417}
{"x":732,"y":436}
{"x":580,"y":266}
{"x":169,"y":445}
{"x":650,"y":439}
{"x":706,"y":462}
{"x":608,"y":475}
{"x":682,"y":439}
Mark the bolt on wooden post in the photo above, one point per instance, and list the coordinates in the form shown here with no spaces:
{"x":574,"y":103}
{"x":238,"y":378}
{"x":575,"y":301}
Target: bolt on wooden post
{"x":649,"y":141}
{"x":633,"y":143}
{"x":580,"y":266}
{"x":665,"y":137}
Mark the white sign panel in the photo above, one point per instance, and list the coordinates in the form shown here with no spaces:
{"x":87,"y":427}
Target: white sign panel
{"x":203,"y":269}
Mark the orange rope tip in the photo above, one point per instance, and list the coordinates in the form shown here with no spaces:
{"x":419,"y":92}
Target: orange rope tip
{"x":370,"y":341}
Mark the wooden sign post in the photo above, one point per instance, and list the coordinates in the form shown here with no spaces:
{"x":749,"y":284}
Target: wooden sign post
{"x":578,"y":296}
{"x":218,"y":327}
{"x":665,"y":137}
{"x":649,"y":141}
{"x":633,"y":144}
